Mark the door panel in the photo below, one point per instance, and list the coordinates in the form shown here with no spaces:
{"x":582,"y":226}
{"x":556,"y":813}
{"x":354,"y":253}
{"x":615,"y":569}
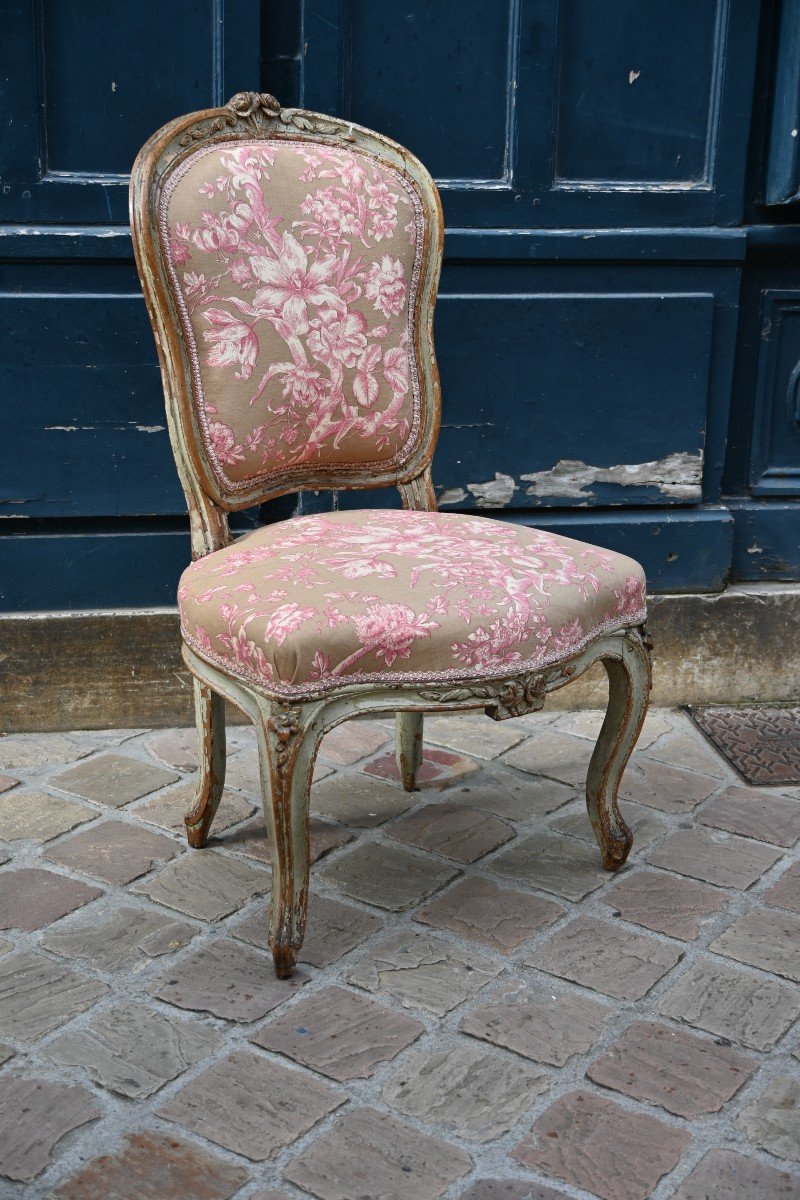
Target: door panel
{"x":88,"y":84}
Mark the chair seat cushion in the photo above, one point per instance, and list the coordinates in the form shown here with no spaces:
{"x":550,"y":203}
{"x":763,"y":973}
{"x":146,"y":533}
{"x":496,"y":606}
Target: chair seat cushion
{"x":310,"y":604}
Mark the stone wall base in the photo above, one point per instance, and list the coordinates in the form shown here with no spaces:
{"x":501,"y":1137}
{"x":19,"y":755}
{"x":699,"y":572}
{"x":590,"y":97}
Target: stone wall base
{"x":122,"y":669}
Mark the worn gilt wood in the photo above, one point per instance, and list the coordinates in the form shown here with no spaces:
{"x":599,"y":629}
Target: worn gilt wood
{"x":289,"y":734}
{"x":209,"y":708}
{"x":409,"y":747}
{"x":289,"y":737}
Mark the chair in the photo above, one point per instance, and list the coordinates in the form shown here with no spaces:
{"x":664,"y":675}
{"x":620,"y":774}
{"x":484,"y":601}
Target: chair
{"x":290,"y":263}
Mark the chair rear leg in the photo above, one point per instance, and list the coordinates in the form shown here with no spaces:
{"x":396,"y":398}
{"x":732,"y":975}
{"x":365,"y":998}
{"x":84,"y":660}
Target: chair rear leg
{"x":209,"y":710}
{"x":629,"y":677}
{"x":287,"y":750}
{"x":408,"y":743}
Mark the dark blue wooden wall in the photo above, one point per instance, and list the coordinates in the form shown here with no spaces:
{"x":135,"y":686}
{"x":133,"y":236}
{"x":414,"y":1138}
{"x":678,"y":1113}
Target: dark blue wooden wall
{"x":619,"y":322}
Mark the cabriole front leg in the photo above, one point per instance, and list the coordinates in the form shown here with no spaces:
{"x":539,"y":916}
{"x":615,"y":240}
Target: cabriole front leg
{"x":209,"y":711}
{"x":629,"y":677}
{"x":287,"y":742}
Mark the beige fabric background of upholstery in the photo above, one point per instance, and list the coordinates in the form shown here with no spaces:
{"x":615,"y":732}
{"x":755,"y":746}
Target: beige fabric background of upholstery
{"x":295,"y":266}
{"x":314,"y":602}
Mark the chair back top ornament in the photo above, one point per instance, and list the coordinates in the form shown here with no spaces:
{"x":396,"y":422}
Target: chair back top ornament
{"x":289,"y":263}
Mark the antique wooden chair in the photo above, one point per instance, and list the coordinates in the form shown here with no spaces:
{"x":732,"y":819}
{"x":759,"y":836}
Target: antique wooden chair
{"x":290,"y":263}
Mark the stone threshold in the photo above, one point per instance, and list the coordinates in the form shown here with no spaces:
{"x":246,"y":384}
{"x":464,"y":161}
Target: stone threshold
{"x":122,"y":669}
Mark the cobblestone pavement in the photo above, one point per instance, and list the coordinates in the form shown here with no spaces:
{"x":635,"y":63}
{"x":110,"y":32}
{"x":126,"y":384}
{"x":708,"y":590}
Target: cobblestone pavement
{"x":481,"y":1010}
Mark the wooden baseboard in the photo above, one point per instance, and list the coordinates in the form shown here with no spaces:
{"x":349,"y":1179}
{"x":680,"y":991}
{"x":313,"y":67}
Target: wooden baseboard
{"x":123,"y":669}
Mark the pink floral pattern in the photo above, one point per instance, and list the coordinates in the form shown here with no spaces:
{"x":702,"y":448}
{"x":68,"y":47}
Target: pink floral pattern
{"x":308,"y":604}
{"x":295,"y":268}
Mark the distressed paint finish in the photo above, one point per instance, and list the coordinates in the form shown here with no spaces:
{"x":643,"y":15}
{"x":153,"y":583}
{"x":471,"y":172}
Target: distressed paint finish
{"x":289,"y":734}
{"x":409,"y":747}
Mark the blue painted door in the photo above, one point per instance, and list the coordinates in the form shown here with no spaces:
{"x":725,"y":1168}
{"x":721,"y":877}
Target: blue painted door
{"x":603,"y":220}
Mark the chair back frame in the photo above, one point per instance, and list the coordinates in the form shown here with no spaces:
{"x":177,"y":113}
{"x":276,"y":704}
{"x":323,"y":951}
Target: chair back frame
{"x":250,"y":116}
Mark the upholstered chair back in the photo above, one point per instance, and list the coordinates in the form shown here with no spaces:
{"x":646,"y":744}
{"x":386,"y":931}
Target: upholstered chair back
{"x":296,"y":264}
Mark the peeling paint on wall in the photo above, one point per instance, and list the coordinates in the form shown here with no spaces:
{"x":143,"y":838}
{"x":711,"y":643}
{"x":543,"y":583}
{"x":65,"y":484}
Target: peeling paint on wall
{"x":495,"y":493}
{"x":451,"y":496}
{"x":677,"y":476}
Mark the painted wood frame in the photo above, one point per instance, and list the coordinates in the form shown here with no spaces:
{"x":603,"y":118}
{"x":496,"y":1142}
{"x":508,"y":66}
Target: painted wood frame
{"x":289,"y":733}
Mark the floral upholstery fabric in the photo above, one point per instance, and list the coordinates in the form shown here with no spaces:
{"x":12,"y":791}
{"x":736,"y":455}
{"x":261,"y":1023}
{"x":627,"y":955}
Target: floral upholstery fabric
{"x":295,"y":269}
{"x":312,"y":603}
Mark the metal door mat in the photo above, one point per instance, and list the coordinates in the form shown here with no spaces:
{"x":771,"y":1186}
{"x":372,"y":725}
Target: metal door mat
{"x":762,"y":744}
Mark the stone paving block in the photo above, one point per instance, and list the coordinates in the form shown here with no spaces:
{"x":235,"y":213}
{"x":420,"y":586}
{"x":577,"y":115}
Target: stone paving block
{"x":169,"y":808}
{"x":251,"y":1106}
{"x":726,"y":1175}
{"x":668,"y":788}
{"x":556,"y":755}
{"x":755,"y":814}
{"x":561,"y":865}
{"x":785,"y":892}
{"x":533,"y":1022}
{"x":686,"y":1075}
{"x":386,"y":877}
{"x":439,"y":768}
{"x":516,"y":797}
{"x":359,"y":800}
{"x":134,"y":1050}
{"x":228,"y":980}
{"x":452,"y":830}
{"x":34,"y":1116}
{"x":473,"y":734}
{"x":728,"y":861}
{"x":333,"y":930}
{"x":511,"y":1189}
{"x":770,"y":940}
{"x":496,"y":916}
{"x":205,"y":884}
{"x":339,"y":1033}
{"x":7,"y":782}
{"x":243,"y":772}
{"x":178,"y":747}
{"x":731,"y":1003}
{"x":5,"y":1054}
{"x":37,"y":995}
{"x":350,"y":742}
{"x":38,"y":815}
{"x":475,"y":1094}
{"x":692,"y":751}
{"x":643,"y":825}
{"x":28,"y":751}
{"x":772,"y":1121}
{"x":605,"y":957}
{"x":588,"y":722}
{"x":112,"y":779}
{"x":32,"y":898}
{"x":368,"y":1153}
{"x":154,"y":1166}
{"x":422,"y":971}
{"x":113,"y":851}
{"x":120,"y":939}
{"x":677,"y":907}
{"x":595,"y":1144}
{"x":175,"y":748}
{"x":251,"y":839}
